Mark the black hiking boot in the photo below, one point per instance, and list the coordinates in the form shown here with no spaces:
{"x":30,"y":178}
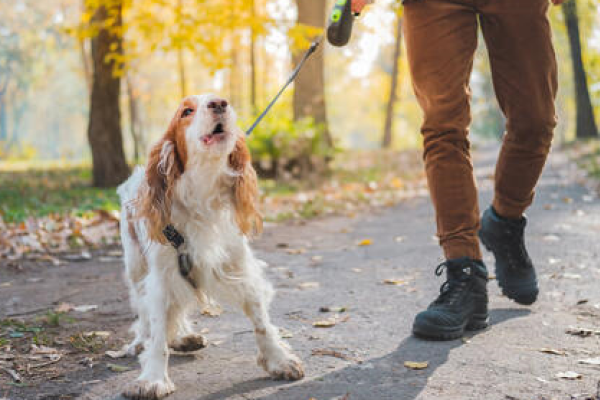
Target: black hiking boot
{"x":514,"y":269}
{"x":461,"y":305}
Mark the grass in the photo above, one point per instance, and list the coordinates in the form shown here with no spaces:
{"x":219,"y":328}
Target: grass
{"x":40,"y":192}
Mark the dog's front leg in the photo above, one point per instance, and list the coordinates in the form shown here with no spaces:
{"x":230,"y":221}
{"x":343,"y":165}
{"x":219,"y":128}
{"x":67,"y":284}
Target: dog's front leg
{"x":274,"y":355}
{"x":154,"y":382}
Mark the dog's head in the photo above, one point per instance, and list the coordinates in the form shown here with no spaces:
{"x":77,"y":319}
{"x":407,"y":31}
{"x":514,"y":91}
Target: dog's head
{"x":203,"y":137}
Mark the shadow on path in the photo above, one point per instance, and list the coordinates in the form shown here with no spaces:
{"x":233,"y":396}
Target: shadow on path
{"x":379,"y":378}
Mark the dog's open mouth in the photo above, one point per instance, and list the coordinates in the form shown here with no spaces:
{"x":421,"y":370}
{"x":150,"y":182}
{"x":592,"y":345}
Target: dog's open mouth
{"x":217,"y":135}
{"x":218,"y":129}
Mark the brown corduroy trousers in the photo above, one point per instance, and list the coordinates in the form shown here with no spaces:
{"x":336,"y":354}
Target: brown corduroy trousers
{"x":441,"y":39}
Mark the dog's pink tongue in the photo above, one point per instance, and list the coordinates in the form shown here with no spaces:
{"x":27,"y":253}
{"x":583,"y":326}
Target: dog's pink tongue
{"x":208,"y":139}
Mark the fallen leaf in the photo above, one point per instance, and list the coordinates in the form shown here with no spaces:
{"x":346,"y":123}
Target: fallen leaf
{"x":583,"y":332}
{"x":567,"y":200}
{"x":570,"y":375}
{"x":309,"y":285}
{"x":395,"y":282}
{"x":330,"y":353}
{"x":102,"y":334}
{"x":416,"y":364}
{"x":333,"y":309}
{"x":553,"y":351}
{"x":13,"y":374}
{"x":85,"y":308}
{"x":116,"y":353}
{"x":590,"y":361}
{"x":582,"y":301}
{"x":316,"y":259}
{"x":285,"y":334}
{"x":365,"y":242}
{"x":551,"y":238}
{"x":325,"y":323}
{"x":35,"y":349}
{"x":64,"y":308}
{"x":295,"y":251}
{"x":117,"y":368}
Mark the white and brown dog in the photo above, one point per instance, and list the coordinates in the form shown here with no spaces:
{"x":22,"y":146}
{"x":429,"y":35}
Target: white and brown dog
{"x":200,"y":180}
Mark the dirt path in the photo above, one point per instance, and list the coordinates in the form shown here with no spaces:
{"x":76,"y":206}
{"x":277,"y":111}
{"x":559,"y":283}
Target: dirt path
{"x":373,"y":335}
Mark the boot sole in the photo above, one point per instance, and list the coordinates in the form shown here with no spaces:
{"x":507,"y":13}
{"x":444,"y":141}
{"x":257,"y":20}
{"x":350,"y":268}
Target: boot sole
{"x":525,"y":300}
{"x":432,"y":332}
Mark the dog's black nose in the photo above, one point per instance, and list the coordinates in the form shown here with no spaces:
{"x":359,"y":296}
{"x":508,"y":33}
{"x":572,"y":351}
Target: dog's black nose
{"x":218,"y":106}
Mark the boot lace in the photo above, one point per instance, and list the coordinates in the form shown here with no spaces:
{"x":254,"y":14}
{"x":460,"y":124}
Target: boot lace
{"x":513,"y":246}
{"x":452,"y":289}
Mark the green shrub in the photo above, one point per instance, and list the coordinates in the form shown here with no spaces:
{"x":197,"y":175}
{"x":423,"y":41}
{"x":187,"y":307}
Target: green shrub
{"x":285,"y":149}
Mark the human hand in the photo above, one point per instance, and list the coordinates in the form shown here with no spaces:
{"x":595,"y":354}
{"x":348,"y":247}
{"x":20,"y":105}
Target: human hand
{"x":558,"y":2}
{"x":358,"y":5}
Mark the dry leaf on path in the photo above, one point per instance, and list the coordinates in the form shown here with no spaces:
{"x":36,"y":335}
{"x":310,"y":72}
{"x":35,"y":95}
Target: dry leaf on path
{"x":64,"y":307}
{"x":102,"y":334}
{"x":365,"y":242}
{"x":117,"y":368}
{"x":330,"y":353}
{"x":333,"y":309}
{"x":116,"y":353}
{"x":590,"y":361}
{"x":325,"y":323}
{"x":569,"y":375}
{"x":395,"y":282}
{"x":551,"y":238}
{"x":85,"y":308}
{"x":309,"y":285}
{"x":416,"y":364}
{"x":285,"y":334}
{"x":295,"y":251}
{"x":583,"y":332}
{"x":553,"y":351}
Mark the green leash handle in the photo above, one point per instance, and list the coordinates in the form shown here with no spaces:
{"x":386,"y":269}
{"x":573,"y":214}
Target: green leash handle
{"x":340,"y":23}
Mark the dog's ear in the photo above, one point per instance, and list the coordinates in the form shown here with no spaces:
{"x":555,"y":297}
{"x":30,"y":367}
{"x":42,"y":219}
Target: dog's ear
{"x":245,"y":190}
{"x":164,"y":167}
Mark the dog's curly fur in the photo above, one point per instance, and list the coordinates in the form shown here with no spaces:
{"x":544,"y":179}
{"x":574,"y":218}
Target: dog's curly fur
{"x":199,"y":179}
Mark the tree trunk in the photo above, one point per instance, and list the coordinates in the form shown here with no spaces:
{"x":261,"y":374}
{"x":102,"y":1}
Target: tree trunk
{"x":104,"y":130}
{"x":586,"y":125}
{"x":181,"y":56}
{"x":309,"y":88}
{"x":85,"y":56}
{"x":134,"y":121}
{"x":182,"y":77}
{"x":3,"y":121}
{"x":253,"y":105}
{"x":236,"y":86}
{"x":386,"y":141}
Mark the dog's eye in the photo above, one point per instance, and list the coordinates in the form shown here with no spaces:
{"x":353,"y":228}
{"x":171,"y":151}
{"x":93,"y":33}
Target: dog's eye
{"x":186,"y":112}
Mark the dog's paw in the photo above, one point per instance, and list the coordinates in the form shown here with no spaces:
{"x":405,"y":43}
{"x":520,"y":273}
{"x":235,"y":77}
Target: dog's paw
{"x":145,"y":390}
{"x":284,"y":367}
{"x":189,"y":343}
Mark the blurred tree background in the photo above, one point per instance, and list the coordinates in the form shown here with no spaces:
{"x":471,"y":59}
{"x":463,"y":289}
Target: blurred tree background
{"x":94,"y":82}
